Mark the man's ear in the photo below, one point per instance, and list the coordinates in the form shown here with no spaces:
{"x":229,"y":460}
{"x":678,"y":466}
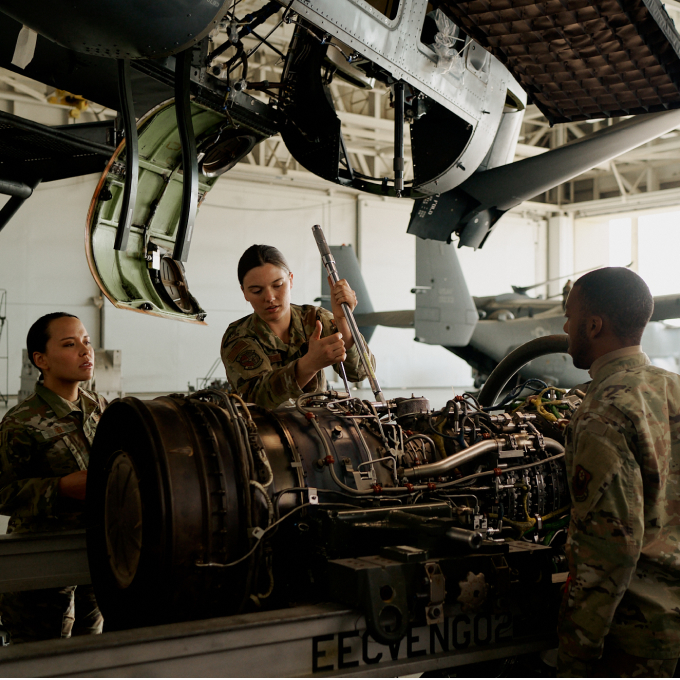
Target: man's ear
{"x":595,"y":324}
{"x":40,"y":360}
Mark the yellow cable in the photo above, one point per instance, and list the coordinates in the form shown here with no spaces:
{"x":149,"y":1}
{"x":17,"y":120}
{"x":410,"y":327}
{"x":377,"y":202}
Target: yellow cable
{"x":439,"y":441}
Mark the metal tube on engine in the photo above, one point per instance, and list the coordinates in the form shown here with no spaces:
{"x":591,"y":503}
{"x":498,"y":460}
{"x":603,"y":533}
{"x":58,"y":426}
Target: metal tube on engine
{"x":452,"y":462}
{"x":329,"y":264}
{"x":445,"y":465}
{"x":472,"y":539}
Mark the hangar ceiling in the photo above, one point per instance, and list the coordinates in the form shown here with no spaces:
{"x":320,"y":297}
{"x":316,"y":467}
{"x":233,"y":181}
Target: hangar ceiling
{"x":647,"y":177}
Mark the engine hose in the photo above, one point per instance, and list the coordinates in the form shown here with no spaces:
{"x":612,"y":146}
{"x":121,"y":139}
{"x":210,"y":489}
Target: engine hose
{"x":517,"y":359}
{"x":487,"y":446}
{"x":441,"y":467}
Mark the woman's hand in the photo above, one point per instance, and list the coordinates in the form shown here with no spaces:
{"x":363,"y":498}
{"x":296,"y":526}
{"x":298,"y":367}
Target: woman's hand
{"x":341,"y":292}
{"x":322,"y":352}
{"x":73,"y":485}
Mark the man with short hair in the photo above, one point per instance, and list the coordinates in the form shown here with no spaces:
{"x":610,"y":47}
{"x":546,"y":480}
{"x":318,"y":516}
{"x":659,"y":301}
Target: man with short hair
{"x":621,"y":610}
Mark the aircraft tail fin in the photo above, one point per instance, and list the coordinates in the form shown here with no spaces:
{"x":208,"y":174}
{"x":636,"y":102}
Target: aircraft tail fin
{"x":348,"y":268}
{"x":445,"y":311}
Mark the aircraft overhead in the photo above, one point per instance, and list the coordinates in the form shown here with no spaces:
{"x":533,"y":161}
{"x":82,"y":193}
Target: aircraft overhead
{"x":582,"y":60}
{"x":579,"y":60}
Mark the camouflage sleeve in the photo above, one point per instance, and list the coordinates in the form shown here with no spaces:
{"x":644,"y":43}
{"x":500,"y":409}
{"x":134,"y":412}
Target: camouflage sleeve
{"x":605,"y":535}
{"x":20,"y":489}
{"x":570,"y":667}
{"x":251,"y":374}
{"x":353,"y":365}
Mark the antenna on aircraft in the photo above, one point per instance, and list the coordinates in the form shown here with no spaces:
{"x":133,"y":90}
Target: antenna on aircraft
{"x":329,"y":263}
{"x":521,"y":290}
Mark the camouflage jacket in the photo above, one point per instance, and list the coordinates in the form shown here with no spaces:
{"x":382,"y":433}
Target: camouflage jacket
{"x":43,"y":439}
{"x":623,"y":461}
{"x":262,"y":369}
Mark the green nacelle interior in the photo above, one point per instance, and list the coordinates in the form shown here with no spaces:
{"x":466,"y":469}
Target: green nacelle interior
{"x":145,"y":278}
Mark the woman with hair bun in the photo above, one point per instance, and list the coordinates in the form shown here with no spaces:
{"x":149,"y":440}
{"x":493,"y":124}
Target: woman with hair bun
{"x":44,"y":452}
{"x":280,"y":350}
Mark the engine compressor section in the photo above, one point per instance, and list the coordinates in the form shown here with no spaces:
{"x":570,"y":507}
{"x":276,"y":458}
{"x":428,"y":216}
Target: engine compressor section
{"x":205,"y":506}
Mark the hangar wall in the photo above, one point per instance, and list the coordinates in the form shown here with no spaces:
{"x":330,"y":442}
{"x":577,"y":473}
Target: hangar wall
{"x":43,"y":268}
{"x":648,"y":241}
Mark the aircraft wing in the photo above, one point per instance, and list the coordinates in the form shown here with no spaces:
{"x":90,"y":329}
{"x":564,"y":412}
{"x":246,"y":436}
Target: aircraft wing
{"x":581,"y":60}
{"x":402,"y":318}
{"x":666,"y":307}
{"x":29,"y":150}
{"x":519,"y":305}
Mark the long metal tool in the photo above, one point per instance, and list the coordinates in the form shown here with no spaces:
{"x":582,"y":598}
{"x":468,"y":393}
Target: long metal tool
{"x":329,"y":263}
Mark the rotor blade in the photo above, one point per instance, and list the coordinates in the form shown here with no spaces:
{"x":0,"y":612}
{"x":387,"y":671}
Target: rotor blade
{"x":524,"y":289}
{"x":473,"y":208}
{"x":506,"y":186}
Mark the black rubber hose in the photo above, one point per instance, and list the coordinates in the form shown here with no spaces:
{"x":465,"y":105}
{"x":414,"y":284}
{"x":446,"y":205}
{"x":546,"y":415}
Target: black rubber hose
{"x":548,"y":344}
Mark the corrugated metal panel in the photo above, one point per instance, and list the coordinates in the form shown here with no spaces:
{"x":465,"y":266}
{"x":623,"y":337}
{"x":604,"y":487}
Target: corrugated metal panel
{"x":579,"y":59}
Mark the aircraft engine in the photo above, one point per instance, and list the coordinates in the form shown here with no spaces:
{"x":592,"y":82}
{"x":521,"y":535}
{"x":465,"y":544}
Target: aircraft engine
{"x":204,"y":506}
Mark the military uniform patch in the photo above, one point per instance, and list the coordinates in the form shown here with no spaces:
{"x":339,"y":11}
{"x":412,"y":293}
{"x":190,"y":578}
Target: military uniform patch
{"x":580,"y":483}
{"x":57,"y":430}
{"x":235,"y":349}
{"x":249,"y":359}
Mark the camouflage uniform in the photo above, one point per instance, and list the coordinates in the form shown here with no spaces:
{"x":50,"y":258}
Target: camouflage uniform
{"x":42,"y":440}
{"x":623,"y":460}
{"x":261,"y":368}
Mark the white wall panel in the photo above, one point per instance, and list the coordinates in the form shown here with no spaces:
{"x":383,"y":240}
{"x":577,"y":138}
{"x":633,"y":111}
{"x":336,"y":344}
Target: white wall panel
{"x":508,"y":257}
{"x":591,"y":243}
{"x":42,"y":263}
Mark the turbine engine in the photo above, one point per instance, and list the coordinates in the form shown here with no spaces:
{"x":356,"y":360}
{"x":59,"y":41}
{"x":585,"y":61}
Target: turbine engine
{"x":204,"y":506}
